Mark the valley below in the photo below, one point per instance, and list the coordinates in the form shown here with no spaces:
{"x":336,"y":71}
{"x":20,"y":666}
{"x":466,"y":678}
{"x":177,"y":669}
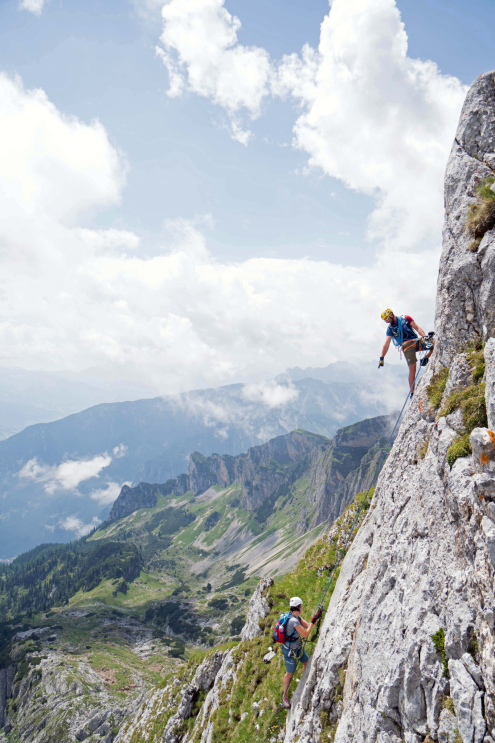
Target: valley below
{"x":89,"y":628}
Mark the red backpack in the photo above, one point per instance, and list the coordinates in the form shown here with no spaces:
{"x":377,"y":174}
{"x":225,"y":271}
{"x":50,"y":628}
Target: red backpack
{"x":279,"y":631}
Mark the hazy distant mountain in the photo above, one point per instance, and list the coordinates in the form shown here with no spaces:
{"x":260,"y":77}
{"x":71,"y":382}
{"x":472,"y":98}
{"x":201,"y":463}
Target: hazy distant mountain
{"x":28,"y":397}
{"x":58,"y":478}
{"x":344,"y":371}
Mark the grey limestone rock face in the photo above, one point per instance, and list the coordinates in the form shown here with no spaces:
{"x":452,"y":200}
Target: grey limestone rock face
{"x":6,"y":679}
{"x":490,"y":382}
{"x":60,"y":693}
{"x":423,"y":563}
{"x":447,"y":727}
{"x":468,"y":702}
{"x":204,"y":679}
{"x":483,"y":446}
{"x":210,"y":676}
{"x":258,"y":609}
{"x":466,"y":284}
{"x":459,"y":375}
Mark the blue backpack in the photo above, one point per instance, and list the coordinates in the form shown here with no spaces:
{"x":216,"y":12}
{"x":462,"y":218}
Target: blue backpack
{"x":398,"y":339}
{"x":279,"y":631}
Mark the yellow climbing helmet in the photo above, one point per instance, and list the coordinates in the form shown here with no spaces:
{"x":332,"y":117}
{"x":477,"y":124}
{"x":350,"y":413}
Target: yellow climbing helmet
{"x":386,"y":313}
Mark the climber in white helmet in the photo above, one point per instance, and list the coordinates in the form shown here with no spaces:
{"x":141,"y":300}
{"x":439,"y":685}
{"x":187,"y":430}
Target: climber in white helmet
{"x":292,"y":649}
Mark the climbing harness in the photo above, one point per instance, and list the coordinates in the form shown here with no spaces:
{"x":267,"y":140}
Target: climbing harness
{"x":297,"y":654}
{"x":425,"y":343}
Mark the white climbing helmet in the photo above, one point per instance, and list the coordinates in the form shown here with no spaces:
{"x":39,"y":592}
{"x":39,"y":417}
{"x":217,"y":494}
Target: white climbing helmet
{"x":295,"y":602}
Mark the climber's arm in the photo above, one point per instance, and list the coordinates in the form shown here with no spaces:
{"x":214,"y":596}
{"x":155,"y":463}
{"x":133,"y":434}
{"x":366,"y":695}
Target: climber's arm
{"x":418,"y":330}
{"x":304,"y":632}
{"x":386,"y":346}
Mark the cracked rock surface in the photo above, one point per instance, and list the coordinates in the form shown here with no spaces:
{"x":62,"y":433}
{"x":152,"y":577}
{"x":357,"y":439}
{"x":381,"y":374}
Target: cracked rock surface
{"x":175,"y":703}
{"x":422,"y":565}
{"x":64,"y":701}
{"x":258,"y":609}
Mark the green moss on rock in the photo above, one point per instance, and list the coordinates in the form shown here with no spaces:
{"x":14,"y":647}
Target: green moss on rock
{"x":436,"y":388}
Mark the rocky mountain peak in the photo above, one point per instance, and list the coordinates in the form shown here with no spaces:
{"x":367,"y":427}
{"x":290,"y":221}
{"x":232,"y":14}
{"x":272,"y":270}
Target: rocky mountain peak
{"x":465,"y":305}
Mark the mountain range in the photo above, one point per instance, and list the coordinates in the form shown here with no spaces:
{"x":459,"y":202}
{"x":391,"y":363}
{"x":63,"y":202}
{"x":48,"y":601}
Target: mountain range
{"x":59,"y":479}
{"x":29,"y":397}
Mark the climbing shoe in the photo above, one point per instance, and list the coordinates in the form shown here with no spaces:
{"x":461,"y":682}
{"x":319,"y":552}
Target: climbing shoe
{"x":423,"y":362}
{"x":286,"y":703}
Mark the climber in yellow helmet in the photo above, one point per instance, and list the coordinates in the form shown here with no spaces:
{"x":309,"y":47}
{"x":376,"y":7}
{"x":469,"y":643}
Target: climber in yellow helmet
{"x":403,"y":331}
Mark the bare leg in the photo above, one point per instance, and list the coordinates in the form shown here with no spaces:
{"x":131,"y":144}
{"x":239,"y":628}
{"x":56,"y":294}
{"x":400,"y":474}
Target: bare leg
{"x":287,"y":680}
{"x":412,"y":376}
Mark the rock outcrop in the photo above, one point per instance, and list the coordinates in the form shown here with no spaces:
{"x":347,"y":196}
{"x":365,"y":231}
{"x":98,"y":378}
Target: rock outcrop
{"x":54,"y":698}
{"x":258,"y":609}
{"x":145,"y":495}
{"x":165,"y":711}
{"x":6,"y":679}
{"x":411,"y":622}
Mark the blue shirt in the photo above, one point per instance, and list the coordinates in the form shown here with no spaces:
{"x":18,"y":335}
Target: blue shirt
{"x":408,"y":332}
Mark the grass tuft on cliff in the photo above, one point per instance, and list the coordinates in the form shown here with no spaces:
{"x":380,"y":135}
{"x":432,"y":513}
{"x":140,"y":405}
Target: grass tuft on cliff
{"x":436,"y":388}
{"x":481,"y":213}
{"x":471,"y":400}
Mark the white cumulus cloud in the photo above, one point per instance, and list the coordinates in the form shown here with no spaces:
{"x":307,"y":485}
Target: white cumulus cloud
{"x":73,"y":297}
{"x":270,"y":393}
{"x":381,"y":122}
{"x":73,"y":523}
{"x":202,"y":54}
{"x":119,"y":451}
{"x":373,"y":117}
{"x":65,"y":476}
{"x":33,"y":6}
{"x":105,"y":496}
{"x":52,"y":166}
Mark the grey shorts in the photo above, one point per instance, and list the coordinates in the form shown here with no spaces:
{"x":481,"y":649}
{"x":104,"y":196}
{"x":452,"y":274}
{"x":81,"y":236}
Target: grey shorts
{"x":409,"y":349}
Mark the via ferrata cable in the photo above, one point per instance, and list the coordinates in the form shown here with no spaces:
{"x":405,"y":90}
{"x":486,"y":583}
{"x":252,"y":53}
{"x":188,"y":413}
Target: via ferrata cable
{"x":364,"y":502}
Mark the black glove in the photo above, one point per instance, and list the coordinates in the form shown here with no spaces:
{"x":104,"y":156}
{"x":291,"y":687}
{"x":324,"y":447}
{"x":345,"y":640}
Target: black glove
{"x":316,"y":616}
{"x":381,"y":362}
{"x":423,"y":362}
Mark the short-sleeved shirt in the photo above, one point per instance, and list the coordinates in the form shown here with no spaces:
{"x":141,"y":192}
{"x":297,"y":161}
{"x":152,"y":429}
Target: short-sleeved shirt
{"x":407,"y":332}
{"x":290,"y":628}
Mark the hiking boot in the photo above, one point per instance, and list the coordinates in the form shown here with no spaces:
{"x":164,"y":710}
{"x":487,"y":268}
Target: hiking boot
{"x":286,"y":702}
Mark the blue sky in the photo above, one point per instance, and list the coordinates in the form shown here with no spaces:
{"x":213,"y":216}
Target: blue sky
{"x":319,"y":178}
{"x":97,"y":60}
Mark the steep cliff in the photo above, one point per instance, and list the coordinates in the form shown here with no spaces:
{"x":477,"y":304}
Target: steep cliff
{"x":410,"y":625}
